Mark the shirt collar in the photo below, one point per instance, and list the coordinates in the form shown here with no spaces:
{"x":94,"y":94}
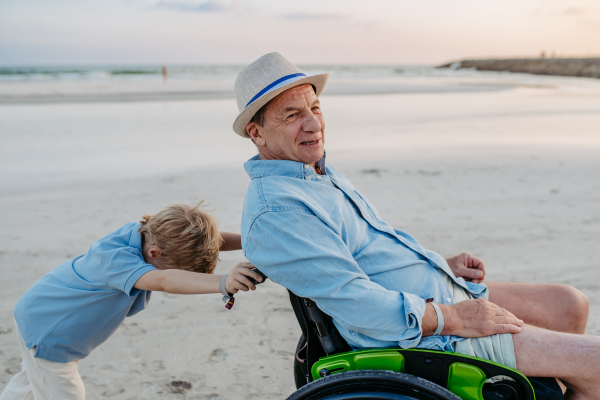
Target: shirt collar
{"x":321,"y":164}
{"x":135,"y":239}
{"x":257,"y":168}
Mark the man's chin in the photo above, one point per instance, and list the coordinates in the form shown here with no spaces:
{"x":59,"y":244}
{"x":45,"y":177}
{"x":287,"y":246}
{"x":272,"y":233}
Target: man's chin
{"x":312,"y":156}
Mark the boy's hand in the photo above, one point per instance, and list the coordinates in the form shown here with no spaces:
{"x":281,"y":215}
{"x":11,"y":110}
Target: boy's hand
{"x":237,"y":278}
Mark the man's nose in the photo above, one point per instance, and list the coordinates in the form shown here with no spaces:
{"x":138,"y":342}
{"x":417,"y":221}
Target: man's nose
{"x":312,"y":123}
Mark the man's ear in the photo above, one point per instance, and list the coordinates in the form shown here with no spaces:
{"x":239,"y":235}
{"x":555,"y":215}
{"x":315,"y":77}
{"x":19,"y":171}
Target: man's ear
{"x":154,"y":252}
{"x":252,"y":129}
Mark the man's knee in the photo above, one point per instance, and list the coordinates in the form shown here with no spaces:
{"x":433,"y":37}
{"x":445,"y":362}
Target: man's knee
{"x":576,"y":306}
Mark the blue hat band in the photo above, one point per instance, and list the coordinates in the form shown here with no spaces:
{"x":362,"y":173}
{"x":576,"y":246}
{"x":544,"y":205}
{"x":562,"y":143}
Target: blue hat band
{"x":276,"y":85}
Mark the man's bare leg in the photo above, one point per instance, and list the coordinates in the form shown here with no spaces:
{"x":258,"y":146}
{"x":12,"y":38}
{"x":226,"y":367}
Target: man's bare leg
{"x":560,"y":308}
{"x":575,"y":359}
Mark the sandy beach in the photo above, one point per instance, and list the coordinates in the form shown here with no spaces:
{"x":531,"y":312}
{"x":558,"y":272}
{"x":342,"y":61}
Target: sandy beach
{"x":506,"y":167}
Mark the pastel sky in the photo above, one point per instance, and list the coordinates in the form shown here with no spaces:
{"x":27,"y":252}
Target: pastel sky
{"x":308,"y":31}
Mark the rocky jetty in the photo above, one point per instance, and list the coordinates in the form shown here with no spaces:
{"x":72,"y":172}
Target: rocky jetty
{"x":583,"y":67}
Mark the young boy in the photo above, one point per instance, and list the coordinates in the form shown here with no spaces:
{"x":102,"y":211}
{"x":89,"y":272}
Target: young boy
{"x":77,"y":306}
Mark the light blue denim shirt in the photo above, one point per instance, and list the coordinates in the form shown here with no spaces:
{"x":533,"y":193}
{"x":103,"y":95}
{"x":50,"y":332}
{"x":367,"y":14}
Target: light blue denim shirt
{"x":320,"y":238}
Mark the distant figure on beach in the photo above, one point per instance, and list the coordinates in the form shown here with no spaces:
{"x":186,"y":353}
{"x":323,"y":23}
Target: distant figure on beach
{"x":307,"y":228}
{"x":77,"y":306}
{"x":164,"y":73}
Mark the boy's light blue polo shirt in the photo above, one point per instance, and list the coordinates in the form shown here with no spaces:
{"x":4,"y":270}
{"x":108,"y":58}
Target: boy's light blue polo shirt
{"x":77,"y":306}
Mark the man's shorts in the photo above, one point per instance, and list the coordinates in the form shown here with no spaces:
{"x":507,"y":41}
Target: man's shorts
{"x":498,"y":348}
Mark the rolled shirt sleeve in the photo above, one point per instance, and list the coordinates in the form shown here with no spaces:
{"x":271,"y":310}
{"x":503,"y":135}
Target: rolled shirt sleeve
{"x":299,"y":251}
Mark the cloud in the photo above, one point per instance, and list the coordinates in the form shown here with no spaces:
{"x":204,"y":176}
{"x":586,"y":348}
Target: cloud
{"x":574,"y":11}
{"x":313,"y":16}
{"x":194,"y":6}
{"x":589,"y":22}
{"x":582,"y":11}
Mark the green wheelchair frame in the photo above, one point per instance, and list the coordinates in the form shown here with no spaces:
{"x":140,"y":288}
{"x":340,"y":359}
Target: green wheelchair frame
{"x":323,"y":356}
{"x":462,"y":375}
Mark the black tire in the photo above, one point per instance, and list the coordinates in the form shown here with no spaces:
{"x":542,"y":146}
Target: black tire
{"x":299,"y":375}
{"x":372,"y":385}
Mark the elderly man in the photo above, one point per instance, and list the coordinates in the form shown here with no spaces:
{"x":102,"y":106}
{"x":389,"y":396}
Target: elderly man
{"x":307,"y":228}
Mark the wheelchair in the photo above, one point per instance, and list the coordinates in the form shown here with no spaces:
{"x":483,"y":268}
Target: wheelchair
{"x":326,"y":368}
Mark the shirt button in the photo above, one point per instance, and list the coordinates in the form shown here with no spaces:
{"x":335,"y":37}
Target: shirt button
{"x":318,"y":177}
{"x":306,"y":166}
{"x":449,"y":300}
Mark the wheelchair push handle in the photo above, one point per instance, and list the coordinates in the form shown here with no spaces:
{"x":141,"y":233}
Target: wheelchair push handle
{"x":228,"y":297}
{"x":254,"y":281}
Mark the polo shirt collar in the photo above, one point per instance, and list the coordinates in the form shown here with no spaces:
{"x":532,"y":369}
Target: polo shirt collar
{"x":135,"y":239}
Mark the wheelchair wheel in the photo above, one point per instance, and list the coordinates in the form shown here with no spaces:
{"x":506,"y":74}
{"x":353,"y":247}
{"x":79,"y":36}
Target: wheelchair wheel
{"x":372,"y":385}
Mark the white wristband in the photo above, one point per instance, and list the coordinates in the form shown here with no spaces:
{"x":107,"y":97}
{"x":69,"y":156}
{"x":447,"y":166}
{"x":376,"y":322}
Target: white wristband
{"x":440,"y":317}
{"x":222,"y":286}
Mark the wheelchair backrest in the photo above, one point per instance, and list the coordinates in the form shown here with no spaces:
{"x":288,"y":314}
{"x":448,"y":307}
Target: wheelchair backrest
{"x":321,"y":337}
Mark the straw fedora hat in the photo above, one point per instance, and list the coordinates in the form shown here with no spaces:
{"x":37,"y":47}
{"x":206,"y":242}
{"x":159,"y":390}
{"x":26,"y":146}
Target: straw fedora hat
{"x":263,"y":80}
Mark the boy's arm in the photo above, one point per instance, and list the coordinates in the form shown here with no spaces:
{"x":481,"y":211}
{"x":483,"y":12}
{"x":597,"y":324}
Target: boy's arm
{"x":177,"y":281}
{"x":231,"y":241}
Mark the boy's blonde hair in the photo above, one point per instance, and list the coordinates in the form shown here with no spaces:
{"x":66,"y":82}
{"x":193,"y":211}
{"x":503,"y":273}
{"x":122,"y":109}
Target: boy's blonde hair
{"x":187,"y":237}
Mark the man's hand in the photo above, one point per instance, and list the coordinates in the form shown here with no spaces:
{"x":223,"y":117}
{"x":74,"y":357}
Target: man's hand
{"x":476,"y":318}
{"x":236,"y":279}
{"x":468,"y":267}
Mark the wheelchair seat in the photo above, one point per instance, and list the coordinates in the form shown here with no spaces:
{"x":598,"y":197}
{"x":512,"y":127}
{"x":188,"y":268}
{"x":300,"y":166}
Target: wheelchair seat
{"x":322,"y":353}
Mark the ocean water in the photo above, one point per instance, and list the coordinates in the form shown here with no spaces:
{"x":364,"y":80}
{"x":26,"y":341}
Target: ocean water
{"x":153,"y":73}
{"x":68,"y":125}
{"x":78,"y":84}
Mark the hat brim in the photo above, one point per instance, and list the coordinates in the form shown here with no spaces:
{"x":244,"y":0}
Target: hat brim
{"x":242,"y":120}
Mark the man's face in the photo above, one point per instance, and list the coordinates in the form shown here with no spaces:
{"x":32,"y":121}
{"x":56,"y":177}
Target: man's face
{"x":294,"y":128}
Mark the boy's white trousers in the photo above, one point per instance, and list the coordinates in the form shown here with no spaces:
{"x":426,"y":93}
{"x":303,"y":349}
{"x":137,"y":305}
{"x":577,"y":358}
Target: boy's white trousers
{"x":43,"y":380}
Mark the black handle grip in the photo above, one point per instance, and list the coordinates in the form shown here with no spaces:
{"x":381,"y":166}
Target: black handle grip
{"x":254,"y":281}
